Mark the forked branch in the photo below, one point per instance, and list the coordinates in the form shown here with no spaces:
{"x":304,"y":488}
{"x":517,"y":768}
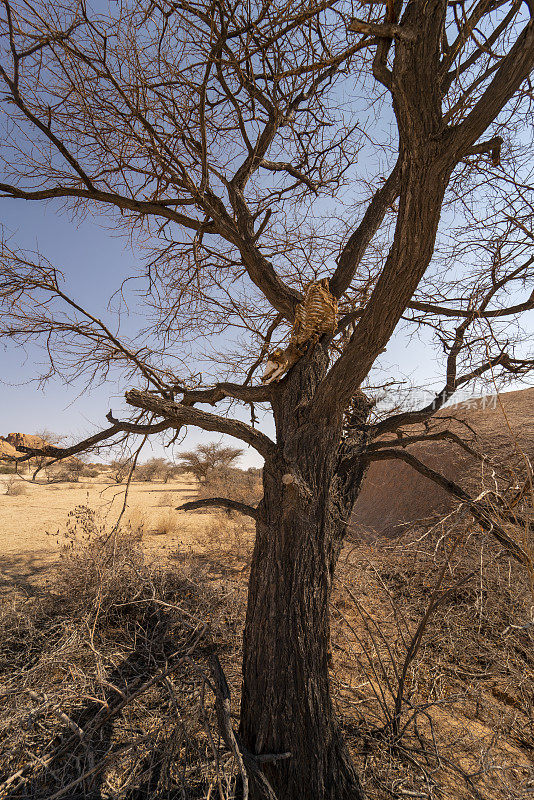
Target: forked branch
{"x":59,"y":453}
{"x":177,"y":414}
{"x":385,"y":29}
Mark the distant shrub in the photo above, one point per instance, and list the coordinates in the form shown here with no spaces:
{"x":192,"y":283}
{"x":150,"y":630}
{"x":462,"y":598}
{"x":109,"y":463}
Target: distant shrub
{"x":236,"y":484}
{"x":120,"y":468}
{"x":15,"y":487}
{"x":155,"y":469}
{"x":90,"y":472}
{"x":209,"y":457}
{"x":7,"y":469}
{"x":71,"y":472}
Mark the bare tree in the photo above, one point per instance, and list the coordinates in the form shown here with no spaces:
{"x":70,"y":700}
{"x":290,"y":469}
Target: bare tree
{"x":238,"y":140}
{"x":40,"y":462}
{"x":119,"y":469}
{"x":153,"y":469}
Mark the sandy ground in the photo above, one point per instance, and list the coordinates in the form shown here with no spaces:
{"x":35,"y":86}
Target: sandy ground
{"x":32,"y":525}
{"x":32,"y":528}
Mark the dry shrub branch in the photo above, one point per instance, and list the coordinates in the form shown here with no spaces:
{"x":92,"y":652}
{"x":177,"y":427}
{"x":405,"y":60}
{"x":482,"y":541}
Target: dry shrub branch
{"x":102,"y":675}
{"x":440,"y":625}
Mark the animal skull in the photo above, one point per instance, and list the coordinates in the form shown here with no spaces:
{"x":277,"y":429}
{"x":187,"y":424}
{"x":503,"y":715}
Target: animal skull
{"x":275,"y":366}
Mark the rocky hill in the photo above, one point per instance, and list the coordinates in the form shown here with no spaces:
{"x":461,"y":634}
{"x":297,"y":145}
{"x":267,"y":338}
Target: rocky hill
{"x":10,"y":443}
{"x":393,"y":494}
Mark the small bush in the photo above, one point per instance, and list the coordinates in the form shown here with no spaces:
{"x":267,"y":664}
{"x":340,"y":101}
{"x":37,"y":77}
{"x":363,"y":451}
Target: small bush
{"x":90,"y":472}
{"x":115,"y":647}
{"x":166,"y":524}
{"x":120,"y":469}
{"x":15,"y":487}
{"x":246,"y":487}
{"x":7,"y":469}
{"x":166,"y":500}
{"x":155,"y":469}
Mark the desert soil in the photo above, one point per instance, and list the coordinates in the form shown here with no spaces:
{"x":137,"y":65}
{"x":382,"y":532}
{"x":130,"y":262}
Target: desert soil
{"x":32,"y":525}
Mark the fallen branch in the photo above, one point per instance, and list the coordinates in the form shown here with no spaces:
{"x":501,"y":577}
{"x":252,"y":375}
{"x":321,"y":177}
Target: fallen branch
{"x":107,"y":713}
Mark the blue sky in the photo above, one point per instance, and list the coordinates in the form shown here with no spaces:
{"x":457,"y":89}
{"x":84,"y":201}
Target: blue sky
{"x":96,"y":262}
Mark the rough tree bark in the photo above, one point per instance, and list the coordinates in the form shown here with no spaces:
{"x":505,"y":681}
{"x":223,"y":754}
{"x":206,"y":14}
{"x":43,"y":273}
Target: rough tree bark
{"x":309,"y":491}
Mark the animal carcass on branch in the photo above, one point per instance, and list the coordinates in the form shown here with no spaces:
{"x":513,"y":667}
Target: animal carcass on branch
{"x":315,"y":316}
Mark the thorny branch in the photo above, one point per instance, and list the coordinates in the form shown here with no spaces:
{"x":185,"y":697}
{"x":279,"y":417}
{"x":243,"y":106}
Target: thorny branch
{"x":228,"y":120}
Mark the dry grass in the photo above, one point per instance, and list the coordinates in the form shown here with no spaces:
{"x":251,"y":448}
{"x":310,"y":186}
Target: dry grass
{"x":115,"y":648}
{"x":166,"y":524}
{"x":26,"y":521}
{"x":15,"y":487}
{"x":227,"y":542}
{"x":246,"y":487}
{"x":111,"y":621}
{"x":464,"y":726}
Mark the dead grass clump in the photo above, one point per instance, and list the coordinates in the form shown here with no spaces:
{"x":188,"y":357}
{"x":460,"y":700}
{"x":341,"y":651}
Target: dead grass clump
{"x":6,"y":468}
{"x":166,"y":524}
{"x":166,"y":500}
{"x":15,"y":487}
{"x":227,"y":541}
{"x":102,"y":677}
{"x":136,"y":519}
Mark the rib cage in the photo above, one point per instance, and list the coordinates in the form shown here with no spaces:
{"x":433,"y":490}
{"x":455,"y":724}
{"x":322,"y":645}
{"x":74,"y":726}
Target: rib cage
{"x":317,"y":314}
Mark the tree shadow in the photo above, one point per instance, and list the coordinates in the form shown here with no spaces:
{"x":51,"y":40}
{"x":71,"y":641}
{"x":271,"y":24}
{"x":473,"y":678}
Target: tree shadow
{"x":23,"y":572}
{"x":77,"y":755}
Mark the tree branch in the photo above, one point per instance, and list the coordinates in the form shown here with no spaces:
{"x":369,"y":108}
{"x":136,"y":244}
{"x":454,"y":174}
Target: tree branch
{"x":357,"y":243}
{"x":177,"y":414}
{"x":249,"y":394}
{"x":277,"y":166}
{"x":111,"y":198}
{"x":431,"y":308}
{"x":513,"y":70}
{"x":59,"y":453}
{"x":492,"y":146}
{"x":480,"y":514}
{"x":405,"y":441}
{"x":220,"y":502}
{"x":383,"y":29}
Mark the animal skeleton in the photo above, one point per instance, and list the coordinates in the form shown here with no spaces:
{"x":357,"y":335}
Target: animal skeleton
{"x":316,"y":315}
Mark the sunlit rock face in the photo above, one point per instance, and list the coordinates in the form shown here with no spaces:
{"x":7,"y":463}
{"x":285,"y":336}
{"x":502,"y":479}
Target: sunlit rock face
{"x":394,"y":495}
{"x":9,"y":444}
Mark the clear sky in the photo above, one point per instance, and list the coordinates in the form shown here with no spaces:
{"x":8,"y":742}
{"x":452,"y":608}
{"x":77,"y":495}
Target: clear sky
{"x":96,"y":262}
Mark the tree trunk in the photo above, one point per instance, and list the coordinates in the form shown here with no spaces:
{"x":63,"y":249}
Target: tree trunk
{"x":286,"y":702}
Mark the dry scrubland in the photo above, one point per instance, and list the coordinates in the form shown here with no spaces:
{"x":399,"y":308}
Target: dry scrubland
{"x":33,"y":522}
{"x":106,"y":639}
